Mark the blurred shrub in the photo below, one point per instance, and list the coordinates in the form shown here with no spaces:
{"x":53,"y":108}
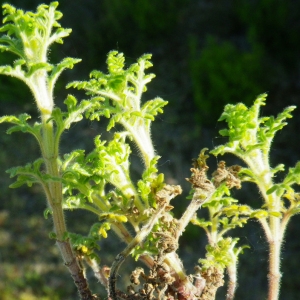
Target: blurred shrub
{"x":274,"y":24}
{"x":222,"y":73}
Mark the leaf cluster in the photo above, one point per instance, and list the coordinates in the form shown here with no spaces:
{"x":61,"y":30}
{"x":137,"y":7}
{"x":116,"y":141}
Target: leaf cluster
{"x":222,"y":254}
{"x":29,"y":33}
{"x":86,"y":246}
{"x":121,"y":90}
{"x":29,"y":36}
{"x":246,"y":131}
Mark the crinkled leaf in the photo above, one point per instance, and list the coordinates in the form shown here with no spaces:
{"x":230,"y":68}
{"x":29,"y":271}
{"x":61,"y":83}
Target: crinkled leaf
{"x":34,"y":67}
{"x":47,"y":212}
{"x":66,"y":63}
{"x":293,"y":175}
{"x":150,"y":183}
{"x":236,"y":210}
{"x":221,"y":255}
{"x":246,"y":131}
{"x":30,"y":174}
{"x":22,"y":125}
{"x":85,"y":245}
{"x":30,"y":33}
{"x":201,"y":222}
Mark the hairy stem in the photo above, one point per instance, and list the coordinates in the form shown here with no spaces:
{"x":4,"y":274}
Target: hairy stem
{"x":142,"y":138}
{"x":232,"y":284}
{"x":50,"y":154}
{"x":274,"y":275}
{"x":274,"y":232}
{"x":100,"y":273}
{"x":191,"y":210}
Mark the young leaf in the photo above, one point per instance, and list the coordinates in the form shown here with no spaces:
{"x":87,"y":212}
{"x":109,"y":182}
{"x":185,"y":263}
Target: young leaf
{"x":29,"y":34}
{"x":30,"y":174}
{"x":293,"y":175}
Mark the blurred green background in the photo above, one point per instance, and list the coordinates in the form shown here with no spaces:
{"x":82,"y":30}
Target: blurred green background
{"x":206,"y":53}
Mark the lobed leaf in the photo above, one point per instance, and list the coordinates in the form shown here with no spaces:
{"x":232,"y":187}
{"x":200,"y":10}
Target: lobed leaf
{"x":29,"y":174}
{"x":22,"y":125}
{"x":293,"y":175}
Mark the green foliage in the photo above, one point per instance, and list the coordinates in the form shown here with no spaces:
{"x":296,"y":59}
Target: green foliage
{"x":247,"y":132}
{"x":22,"y":125}
{"x":148,"y":247}
{"x":124,"y":88}
{"x":33,"y":29}
{"x":150,"y":183}
{"x":249,"y":138}
{"x":29,"y":36}
{"x":85,"y":177}
{"x":30,"y":174}
{"x":86,"y":245}
{"x":222,"y":254}
{"x":224,"y":216}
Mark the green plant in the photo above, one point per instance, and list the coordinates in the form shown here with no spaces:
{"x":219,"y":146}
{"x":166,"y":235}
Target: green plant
{"x":250,"y":139}
{"x":140,"y":213}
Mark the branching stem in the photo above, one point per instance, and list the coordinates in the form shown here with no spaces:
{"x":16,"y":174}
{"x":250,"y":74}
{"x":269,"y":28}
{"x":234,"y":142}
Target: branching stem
{"x":189,"y":213}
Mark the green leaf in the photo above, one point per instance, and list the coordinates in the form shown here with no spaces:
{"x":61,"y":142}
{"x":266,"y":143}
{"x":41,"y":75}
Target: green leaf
{"x":34,"y":67}
{"x":271,"y":125}
{"x":115,"y":63}
{"x":222,"y":254}
{"x":218,"y":199}
{"x":247,"y":132}
{"x":30,"y":174}
{"x":152,"y":107}
{"x":278,"y":168}
{"x":52,"y":235}
{"x":78,"y":179}
{"x":293,"y":175}
{"x":85,"y":245}
{"x":74,"y":112}
{"x":66,"y":63}
{"x":247,"y":174}
{"x":201,"y":222}
{"x":85,"y":177}
{"x":275,"y":214}
{"x":242,"y":124}
{"x":274,"y":188}
{"x":22,"y":125}
{"x":150,"y":183}
{"x":259,"y":214}
{"x":236,"y":210}
{"x":29,"y":35}
{"x":47,"y":212}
